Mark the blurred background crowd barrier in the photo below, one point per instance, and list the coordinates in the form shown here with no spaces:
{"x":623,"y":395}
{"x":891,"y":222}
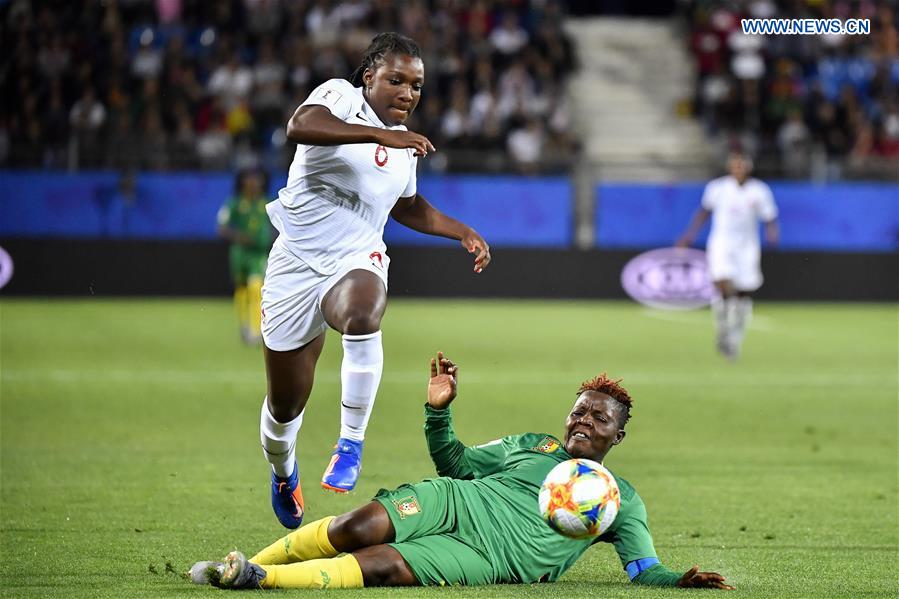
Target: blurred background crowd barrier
{"x":571,"y":134}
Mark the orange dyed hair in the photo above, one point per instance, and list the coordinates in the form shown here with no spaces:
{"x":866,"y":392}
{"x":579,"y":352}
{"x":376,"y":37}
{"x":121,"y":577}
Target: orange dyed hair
{"x":612,"y":388}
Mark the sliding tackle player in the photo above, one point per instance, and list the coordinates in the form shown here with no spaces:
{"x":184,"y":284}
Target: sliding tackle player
{"x":476,"y":524}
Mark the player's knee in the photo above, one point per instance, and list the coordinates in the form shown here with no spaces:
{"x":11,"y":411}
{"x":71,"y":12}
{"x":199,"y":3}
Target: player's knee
{"x":396,"y":572}
{"x":286,"y":402}
{"x":285,"y":409}
{"x":349,"y":531}
{"x":383,"y":566}
{"x":362,"y":322}
{"x":365,"y":526}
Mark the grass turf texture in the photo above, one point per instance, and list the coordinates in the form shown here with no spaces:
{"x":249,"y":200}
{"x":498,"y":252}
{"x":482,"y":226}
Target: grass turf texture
{"x":130,"y":445}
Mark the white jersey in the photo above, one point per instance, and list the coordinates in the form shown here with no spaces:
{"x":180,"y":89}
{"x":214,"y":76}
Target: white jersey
{"x":736,"y":211}
{"x":338,"y":198}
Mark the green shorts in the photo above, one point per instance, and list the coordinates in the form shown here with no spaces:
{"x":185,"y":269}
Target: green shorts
{"x":434,"y":536}
{"x":246,"y":264}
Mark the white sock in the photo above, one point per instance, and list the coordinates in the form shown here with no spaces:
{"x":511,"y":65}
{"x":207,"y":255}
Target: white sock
{"x":279,"y":440}
{"x":360,"y":375}
{"x":742,"y":314}
{"x":720,"y":308}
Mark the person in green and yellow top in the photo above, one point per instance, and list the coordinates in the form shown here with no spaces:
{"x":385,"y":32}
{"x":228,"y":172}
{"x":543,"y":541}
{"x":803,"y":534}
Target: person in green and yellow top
{"x":244,"y":222}
{"x":477,"y":524}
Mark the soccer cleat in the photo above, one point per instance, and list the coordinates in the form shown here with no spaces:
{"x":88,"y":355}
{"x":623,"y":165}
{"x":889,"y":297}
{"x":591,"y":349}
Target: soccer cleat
{"x":287,"y":499}
{"x":240,"y":573}
{"x":205,"y":572}
{"x":727,"y":348}
{"x":346,"y":462}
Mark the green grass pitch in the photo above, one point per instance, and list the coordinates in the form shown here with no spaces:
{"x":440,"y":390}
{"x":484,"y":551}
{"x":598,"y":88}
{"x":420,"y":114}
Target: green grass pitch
{"x":130,"y":443}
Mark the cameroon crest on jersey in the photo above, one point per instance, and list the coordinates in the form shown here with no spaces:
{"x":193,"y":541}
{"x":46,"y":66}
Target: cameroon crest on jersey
{"x":547,"y":445}
{"x":407,"y":506}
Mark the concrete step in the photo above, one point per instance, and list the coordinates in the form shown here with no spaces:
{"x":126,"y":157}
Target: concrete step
{"x":633,"y":74}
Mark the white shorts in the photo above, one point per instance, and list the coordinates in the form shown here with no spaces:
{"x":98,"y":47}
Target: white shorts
{"x":293,"y":292}
{"x":741,"y":266}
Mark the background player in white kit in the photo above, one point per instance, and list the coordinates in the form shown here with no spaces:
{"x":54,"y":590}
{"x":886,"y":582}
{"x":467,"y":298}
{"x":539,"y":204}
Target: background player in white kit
{"x":354,"y":166}
{"x":736,"y":203}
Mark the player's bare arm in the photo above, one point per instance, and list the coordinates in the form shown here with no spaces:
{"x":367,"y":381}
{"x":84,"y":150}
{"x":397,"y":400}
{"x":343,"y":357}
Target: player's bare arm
{"x":316,"y":126}
{"x":772,"y":231}
{"x":419,"y":215}
{"x":699,"y":219}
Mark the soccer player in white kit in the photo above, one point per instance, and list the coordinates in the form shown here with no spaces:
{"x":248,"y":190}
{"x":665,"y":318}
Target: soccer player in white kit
{"x":354,"y":166}
{"x":736,"y":203}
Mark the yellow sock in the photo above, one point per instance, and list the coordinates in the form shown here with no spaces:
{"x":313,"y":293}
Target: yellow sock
{"x":335,"y":573}
{"x":254,"y":306}
{"x":309,"y":542}
{"x":240,"y":305}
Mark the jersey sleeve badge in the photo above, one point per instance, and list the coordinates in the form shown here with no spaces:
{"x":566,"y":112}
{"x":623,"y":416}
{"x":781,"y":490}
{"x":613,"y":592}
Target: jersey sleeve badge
{"x":329,"y":95}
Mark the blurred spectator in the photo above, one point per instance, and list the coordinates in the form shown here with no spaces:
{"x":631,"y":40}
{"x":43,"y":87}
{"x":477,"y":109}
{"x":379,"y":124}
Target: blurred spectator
{"x":268,"y":79}
{"x":147,"y":62}
{"x":526,"y":146}
{"x":56,"y":128}
{"x":175,"y":84}
{"x":818,"y":105}
{"x":4,"y":141}
{"x":123,"y":145}
{"x":183,"y":148}
{"x":87,"y":118}
{"x":793,"y":141}
{"x":153,"y":142}
{"x":232,"y":81}
{"x":53,"y":59}
{"x":214,"y":141}
{"x":509,"y":38}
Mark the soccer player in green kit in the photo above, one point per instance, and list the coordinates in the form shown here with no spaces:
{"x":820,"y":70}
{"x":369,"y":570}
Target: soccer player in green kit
{"x":244,"y":222}
{"x":476,"y":524}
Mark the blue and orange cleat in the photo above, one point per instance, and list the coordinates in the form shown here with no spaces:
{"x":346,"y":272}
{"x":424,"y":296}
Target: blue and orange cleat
{"x":287,"y":499}
{"x":346,"y":462}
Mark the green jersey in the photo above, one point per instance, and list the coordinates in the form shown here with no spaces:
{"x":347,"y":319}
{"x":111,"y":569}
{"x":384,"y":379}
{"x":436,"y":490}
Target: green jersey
{"x":248,"y":216}
{"x":499,"y":485}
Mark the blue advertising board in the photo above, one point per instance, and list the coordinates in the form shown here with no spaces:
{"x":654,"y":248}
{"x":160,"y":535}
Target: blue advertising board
{"x":507,"y":211}
{"x":860,"y":217}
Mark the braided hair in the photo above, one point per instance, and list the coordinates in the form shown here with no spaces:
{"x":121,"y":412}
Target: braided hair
{"x":612,"y":388}
{"x":382,"y":45}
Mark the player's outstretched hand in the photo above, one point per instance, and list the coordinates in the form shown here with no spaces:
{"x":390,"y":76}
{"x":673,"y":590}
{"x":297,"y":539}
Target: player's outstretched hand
{"x":442,"y":384}
{"x":475,"y":244}
{"x":406,"y":139}
{"x":695,"y":579}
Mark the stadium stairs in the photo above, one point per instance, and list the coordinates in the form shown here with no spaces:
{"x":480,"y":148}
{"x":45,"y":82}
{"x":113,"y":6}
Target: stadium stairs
{"x":634,"y":79}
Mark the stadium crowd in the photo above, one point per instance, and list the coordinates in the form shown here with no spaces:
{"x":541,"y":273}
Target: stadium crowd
{"x":188,"y":84}
{"x":825,"y":106}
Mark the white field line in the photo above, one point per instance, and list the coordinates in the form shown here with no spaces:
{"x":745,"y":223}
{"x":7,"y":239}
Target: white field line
{"x":408,"y":377}
{"x":759,"y":322}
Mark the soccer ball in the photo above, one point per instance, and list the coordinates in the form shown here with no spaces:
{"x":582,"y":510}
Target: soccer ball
{"x":579,"y":499}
